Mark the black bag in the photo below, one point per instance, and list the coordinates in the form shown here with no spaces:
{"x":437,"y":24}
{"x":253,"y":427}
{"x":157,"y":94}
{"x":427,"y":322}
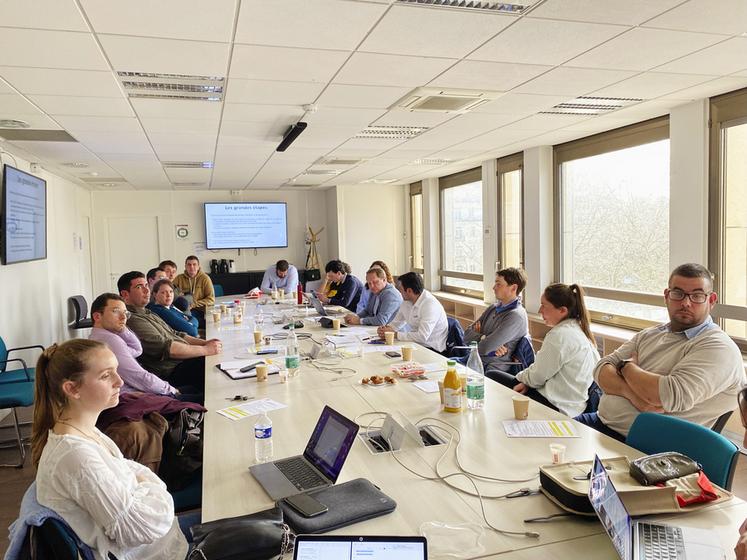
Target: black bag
{"x":653,"y":469}
{"x":258,"y":536}
{"x":182,"y":449}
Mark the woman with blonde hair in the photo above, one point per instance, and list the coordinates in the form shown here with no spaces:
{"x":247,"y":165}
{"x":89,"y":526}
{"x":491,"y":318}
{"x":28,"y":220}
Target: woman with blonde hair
{"x":113,"y":505}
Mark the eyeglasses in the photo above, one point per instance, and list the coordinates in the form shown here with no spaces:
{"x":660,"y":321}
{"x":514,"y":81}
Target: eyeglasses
{"x":122,"y":313}
{"x":695,"y":297}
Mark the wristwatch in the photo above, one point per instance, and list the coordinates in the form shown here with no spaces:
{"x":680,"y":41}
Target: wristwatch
{"x":621,"y":367}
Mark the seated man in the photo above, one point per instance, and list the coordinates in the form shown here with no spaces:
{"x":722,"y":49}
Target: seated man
{"x":171,"y":355}
{"x":687,"y":368}
{"x":502,"y":325}
{"x":197,"y":285}
{"x":153,"y":276}
{"x":383,"y":304}
{"x":421,"y":318}
{"x":343,"y":288}
{"x":282,"y":275}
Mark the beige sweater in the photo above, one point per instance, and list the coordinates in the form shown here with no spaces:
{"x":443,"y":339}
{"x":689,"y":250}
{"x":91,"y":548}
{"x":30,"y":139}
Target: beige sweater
{"x":700,"y":376}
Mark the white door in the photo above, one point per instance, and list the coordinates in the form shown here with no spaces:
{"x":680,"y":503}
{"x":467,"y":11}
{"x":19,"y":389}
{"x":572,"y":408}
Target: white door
{"x":132,"y":245}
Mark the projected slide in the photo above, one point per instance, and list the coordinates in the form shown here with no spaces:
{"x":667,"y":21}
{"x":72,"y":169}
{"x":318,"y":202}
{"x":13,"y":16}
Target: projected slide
{"x":245,"y":225}
{"x":25,"y":216}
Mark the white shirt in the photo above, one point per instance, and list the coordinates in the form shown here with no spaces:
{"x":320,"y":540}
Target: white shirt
{"x":563,"y":368}
{"x":95,"y":490}
{"x":424,"y":322}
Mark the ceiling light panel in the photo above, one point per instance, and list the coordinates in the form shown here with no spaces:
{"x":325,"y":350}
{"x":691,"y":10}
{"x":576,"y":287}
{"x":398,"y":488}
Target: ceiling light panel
{"x":391,"y":132}
{"x":472,"y":5}
{"x":591,"y":105}
{"x":172,"y":86}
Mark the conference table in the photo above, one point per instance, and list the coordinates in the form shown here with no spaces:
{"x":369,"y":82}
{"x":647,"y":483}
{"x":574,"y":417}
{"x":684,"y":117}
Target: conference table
{"x":422,"y":503}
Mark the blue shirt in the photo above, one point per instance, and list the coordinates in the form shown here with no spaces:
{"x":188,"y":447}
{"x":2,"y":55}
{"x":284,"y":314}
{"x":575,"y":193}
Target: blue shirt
{"x":382,"y":307}
{"x":692,"y":332}
{"x":289,"y":282}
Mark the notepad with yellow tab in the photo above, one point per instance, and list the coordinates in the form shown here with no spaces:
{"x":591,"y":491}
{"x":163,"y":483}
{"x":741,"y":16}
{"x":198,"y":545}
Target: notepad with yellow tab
{"x":540,"y":428}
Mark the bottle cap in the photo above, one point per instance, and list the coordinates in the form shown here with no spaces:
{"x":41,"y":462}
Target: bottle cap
{"x":451,"y":363}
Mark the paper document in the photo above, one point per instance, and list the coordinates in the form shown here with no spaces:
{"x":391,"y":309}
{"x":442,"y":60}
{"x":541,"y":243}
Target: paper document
{"x":540,"y":428}
{"x":247,"y":410}
{"x":427,"y":386}
{"x":233,"y":369}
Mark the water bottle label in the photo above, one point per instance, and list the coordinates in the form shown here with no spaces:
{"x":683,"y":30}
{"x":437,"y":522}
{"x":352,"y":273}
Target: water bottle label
{"x":475,"y":392}
{"x":263,"y":433}
{"x":292,"y":362}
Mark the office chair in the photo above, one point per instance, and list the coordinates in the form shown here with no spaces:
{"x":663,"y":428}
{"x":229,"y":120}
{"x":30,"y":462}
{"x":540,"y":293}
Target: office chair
{"x":454,"y":338}
{"x":718,"y":425}
{"x":13,"y":395}
{"x":23,"y":373}
{"x":218,"y":290}
{"x":82,"y":321}
{"x":656,"y":433}
{"x":742,"y":402}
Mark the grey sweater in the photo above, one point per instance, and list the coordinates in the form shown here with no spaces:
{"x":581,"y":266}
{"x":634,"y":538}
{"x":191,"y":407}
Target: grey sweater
{"x":502,"y":328}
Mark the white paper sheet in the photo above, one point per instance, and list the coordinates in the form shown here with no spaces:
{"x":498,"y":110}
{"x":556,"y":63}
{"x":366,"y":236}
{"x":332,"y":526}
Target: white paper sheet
{"x":251,"y":408}
{"x":540,"y":428}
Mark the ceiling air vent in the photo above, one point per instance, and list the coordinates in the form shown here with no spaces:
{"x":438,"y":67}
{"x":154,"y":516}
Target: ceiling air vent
{"x":439,"y":100}
{"x":381,"y":181}
{"x":391,"y":132}
{"x":430,"y":161}
{"x":489,"y":7}
{"x":337,"y":161}
{"x":189,"y":184}
{"x":591,"y":105}
{"x":187,"y":164}
{"x":142,"y":85}
{"x":322,"y":172}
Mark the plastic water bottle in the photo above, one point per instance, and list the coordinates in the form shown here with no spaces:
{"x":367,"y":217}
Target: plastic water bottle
{"x":292,"y":356}
{"x":263,"y":438}
{"x":475,"y":379}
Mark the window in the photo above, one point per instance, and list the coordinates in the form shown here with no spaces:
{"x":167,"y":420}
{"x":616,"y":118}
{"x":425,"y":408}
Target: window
{"x":461,"y":233}
{"x":728,"y":219}
{"x":613,"y":221}
{"x":416,"y":227}
{"x":510,"y":211}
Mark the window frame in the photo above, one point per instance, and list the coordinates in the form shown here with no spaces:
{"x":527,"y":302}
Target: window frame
{"x":725,"y":110}
{"x":509,"y":164}
{"x":416,"y":189}
{"x":445,"y":183}
{"x":637,"y":134}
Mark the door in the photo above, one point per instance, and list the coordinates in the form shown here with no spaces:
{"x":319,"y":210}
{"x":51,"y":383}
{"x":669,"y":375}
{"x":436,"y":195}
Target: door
{"x":132,"y":245}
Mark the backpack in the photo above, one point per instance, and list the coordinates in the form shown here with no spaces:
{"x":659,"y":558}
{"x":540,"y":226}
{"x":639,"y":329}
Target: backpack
{"x":182,"y":449}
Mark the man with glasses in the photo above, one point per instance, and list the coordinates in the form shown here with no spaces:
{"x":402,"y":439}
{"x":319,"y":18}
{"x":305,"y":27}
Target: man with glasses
{"x":110,"y":316}
{"x":174,"y":356}
{"x":687,"y":368}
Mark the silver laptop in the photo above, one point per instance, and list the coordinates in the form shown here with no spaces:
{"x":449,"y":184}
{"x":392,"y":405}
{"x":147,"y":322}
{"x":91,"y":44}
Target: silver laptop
{"x":320,"y":464}
{"x":638,"y":540}
{"x":323,"y":311}
{"x":315,"y":547}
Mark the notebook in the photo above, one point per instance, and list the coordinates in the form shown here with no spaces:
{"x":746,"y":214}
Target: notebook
{"x":638,"y":540}
{"x":314,"y":547}
{"x":318,"y":466}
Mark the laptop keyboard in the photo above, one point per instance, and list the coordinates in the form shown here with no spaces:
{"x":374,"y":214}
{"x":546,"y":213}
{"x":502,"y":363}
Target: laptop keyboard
{"x":301,"y":475}
{"x":660,"y":542}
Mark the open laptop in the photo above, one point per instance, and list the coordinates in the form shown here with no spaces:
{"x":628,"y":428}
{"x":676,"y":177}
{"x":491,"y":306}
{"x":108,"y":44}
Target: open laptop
{"x":323,"y":311}
{"x":638,"y":540}
{"x":314,"y":547}
{"x":320,"y":464}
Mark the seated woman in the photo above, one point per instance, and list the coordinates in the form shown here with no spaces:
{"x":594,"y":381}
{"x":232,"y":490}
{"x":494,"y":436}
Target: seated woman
{"x":111,"y":503}
{"x":562,"y":372}
{"x":162,"y":305}
{"x":366,"y":293}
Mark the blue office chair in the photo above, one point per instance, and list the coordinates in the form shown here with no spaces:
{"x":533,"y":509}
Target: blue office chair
{"x":656,"y":433}
{"x":24,"y":373}
{"x":454,"y":338}
{"x":218,"y":289}
{"x":13,"y":395}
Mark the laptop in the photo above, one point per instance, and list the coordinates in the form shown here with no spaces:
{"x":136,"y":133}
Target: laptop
{"x":314,"y":547}
{"x":638,"y":540}
{"x":320,"y":464}
{"x":323,"y":311}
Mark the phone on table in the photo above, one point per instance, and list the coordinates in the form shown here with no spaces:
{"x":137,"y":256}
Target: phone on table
{"x":267,"y":351}
{"x":393,"y":354}
{"x":306,"y":505}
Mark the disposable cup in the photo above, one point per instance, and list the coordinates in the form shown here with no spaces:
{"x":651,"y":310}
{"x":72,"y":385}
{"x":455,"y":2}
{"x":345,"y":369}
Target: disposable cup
{"x":261,"y":372}
{"x":257,"y":336}
{"x":389,"y":338}
{"x":336,"y":324}
{"x":521,"y":407}
{"x":407,"y":353}
{"x":557,"y":452}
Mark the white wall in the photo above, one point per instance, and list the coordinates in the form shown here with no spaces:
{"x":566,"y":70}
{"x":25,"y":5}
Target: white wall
{"x":33,"y":295}
{"x":172,"y":208}
{"x":371,"y":226}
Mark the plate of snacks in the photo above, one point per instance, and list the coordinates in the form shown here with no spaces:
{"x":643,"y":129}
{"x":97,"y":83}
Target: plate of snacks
{"x":378,"y":381}
{"x":409,"y":370}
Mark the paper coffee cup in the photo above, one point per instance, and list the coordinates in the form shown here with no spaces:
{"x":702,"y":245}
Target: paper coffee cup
{"x":223,"y":308}
{"x":216,"y":316}
{"x":336,"y":324}
{"x":521,"y":407}
{"x":257,"y":336}
{"x":261,"y":372}
{"x":407,"y":353}
{"x":389,"y":338}
{"x":281,"y":293}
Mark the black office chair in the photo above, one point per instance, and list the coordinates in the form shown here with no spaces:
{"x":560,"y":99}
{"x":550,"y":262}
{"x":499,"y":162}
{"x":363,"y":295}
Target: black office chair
{"x":82,"y":321}
{"x":718,"y":425}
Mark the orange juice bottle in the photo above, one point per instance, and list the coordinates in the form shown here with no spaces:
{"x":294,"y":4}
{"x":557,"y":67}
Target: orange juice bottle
{"x":452,"y":389}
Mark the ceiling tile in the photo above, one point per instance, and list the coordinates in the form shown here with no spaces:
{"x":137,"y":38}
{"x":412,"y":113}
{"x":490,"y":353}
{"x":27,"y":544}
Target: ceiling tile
{"x":176,"y":109}
{"x":277,"y":63}
{"x":709,"y":89}
{"x":261,"y":113}
{"x":341,"y":95}
{"x":37,"y":121}
{"x":172,"y":152}
{"x":651,"y":85}
{"x":189,"y":175}
{"x":167,"y":56}
{"x":83,"y":106}
{"x":538,"y":41}
{"x":391,"y":70}
{"x":724,"y":16}
{"x":241,"y":133}
{"x":42,"y":14}
{"x":546,"y":122}
{"x":642,"y":49}
{"x":521,"y":104}
{"x":175,"y":19}
{"x":300,"y":23}
{"x":572,"y":81}
{"x":49,"y":81}
{"x":630,"y":12}
{"x":155,"y":125}
{"x":187,"y":140}
{"x":495,"y":76}
{"x":14,"y":104}
{"x":329,"y":116}
{"x":722,"y":59}
{"x":324,"y":138}
{"x":57,"y":151}
{"x":448,"y":33}
{"x":123,"y":142}
{"x":266,"y":92}
{"x":50,"y":49}
{"x":401,"y":117}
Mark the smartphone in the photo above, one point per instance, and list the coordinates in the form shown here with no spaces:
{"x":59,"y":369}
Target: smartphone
{"x":306,"y":505}
{"x":267,"y":351}
{"x":392,"y":354}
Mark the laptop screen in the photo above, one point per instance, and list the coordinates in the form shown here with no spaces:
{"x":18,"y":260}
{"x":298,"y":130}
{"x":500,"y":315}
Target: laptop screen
{"x":323,"y":547}
{"x":611,"y":511}
{"x":330,"y":443}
